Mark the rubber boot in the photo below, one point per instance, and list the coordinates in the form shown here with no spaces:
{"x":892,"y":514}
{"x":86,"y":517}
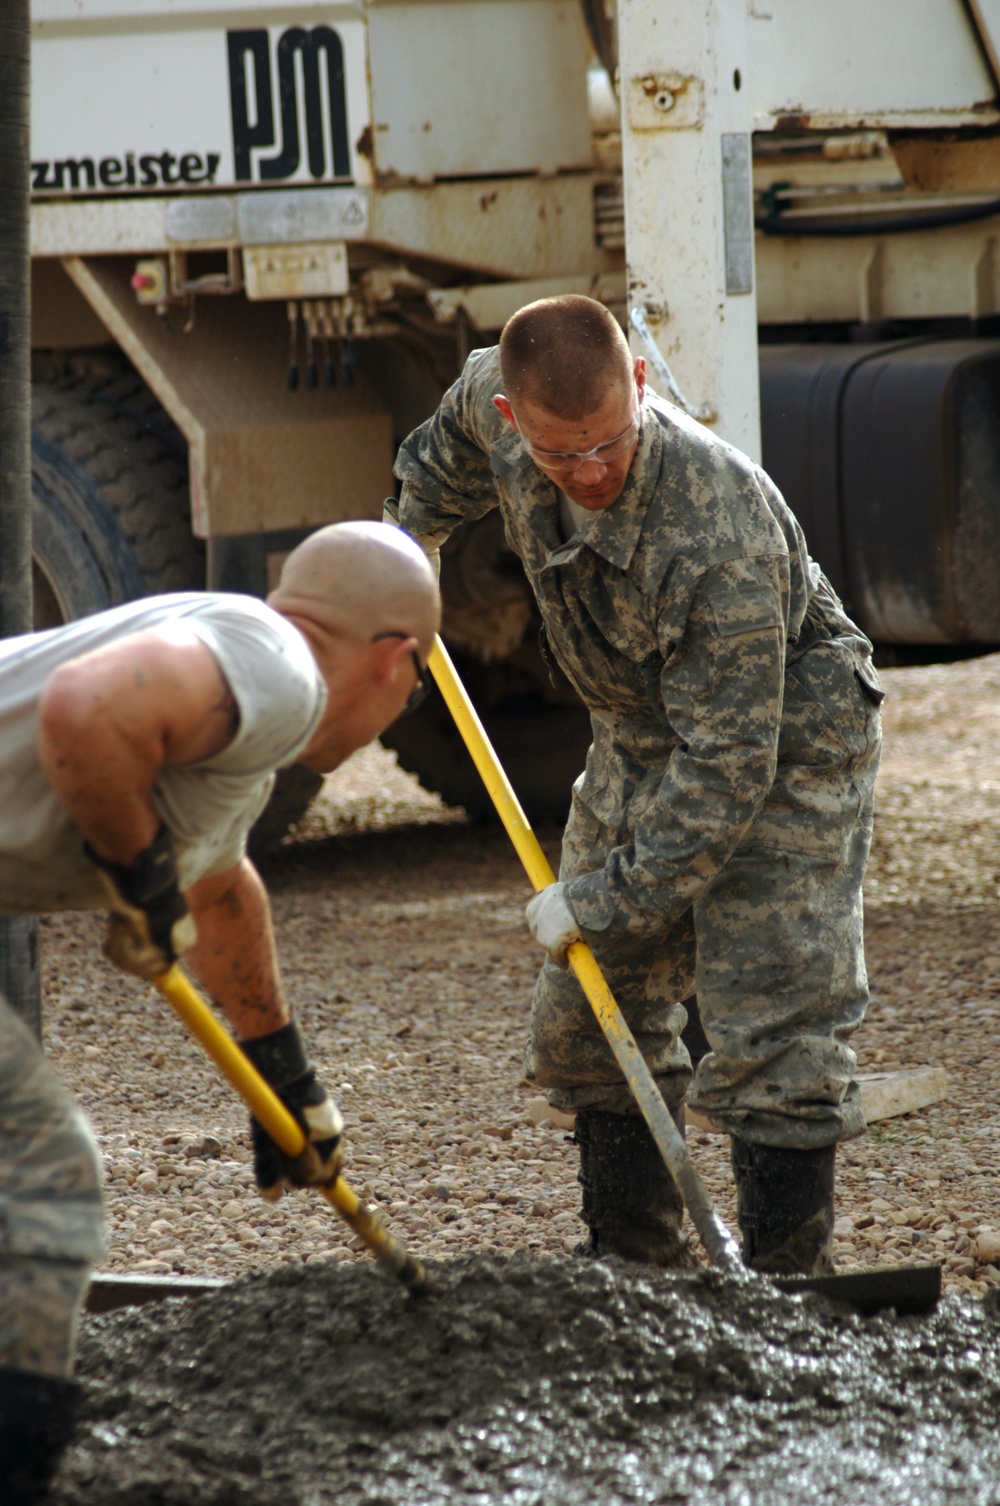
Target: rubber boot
{"x":631,"y":1204}
{"x":785,"y":1208}
{"x":36,"y":1420}
{"x":693,"y":1035}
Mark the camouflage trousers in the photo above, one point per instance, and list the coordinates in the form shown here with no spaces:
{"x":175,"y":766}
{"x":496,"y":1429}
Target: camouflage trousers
{"x":51,"y":1209}
{"x":773,"y":946}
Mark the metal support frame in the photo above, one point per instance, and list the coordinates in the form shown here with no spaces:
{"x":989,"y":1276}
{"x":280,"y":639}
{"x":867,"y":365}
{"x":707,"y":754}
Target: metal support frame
{"x":686,"y":123}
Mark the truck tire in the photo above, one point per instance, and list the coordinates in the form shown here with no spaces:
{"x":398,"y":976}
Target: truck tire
{"x":540,"y":729}
{"x":110,"y":434}
{"x":81,"y":561}
{"x":111,"y":519}
{"x":540,"y":738}
{"x":294,"y":791}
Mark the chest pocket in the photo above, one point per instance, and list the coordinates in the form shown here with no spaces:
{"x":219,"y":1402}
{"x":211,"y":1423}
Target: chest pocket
{"x":617,"y":621}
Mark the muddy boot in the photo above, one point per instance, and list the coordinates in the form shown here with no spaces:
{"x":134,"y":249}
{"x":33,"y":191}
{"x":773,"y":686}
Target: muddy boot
{"x":36,"y":1420}
{"x":631,"y":1204}
{"x":785,"y":1208}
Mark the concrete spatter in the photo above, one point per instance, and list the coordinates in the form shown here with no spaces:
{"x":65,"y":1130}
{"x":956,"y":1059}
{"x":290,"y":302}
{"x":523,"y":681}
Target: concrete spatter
{"x":520,"y":1381}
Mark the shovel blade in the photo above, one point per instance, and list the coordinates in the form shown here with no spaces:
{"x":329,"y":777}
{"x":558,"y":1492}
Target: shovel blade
{"x":905,"y":1288}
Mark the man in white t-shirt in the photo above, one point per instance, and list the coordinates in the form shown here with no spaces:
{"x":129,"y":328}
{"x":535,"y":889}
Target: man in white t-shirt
{"x":137,"y":748}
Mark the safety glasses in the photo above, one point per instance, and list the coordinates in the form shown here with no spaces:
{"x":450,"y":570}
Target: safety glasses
{"x":422,"y":688}
{"x":563,"y":462}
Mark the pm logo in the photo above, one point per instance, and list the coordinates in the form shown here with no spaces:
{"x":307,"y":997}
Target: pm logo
{"x":321,"y":54}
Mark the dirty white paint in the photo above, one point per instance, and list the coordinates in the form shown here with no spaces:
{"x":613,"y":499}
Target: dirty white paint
{"x":897,"y":62}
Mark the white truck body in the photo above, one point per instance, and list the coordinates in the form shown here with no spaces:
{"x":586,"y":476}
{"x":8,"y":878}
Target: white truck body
{"x":218,"y":183}
{"x":374,"y":101}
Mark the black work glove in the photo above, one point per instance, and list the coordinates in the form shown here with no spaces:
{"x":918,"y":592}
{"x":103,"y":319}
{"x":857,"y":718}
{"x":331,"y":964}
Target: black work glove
{"x":149,"y":926}
{"x":282,"y":1061}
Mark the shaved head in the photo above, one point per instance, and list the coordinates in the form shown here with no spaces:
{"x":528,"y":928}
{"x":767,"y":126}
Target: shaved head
{"x":354,"y":580}
{"x":564,"y":355}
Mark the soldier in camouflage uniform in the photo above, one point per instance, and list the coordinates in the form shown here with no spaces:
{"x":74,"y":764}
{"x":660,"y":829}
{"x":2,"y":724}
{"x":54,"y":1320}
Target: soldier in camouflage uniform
{"x":51,"y":1234}
{"x":719,"y":833}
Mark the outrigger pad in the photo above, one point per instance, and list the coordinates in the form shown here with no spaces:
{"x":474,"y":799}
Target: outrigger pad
{"x":906,"y":1288}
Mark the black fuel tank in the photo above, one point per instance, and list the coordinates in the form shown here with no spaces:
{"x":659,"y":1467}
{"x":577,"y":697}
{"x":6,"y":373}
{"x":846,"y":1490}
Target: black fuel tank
{"x":889,"y":456}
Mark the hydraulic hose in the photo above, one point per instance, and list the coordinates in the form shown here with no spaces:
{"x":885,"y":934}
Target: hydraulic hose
{"x":876,"y":224}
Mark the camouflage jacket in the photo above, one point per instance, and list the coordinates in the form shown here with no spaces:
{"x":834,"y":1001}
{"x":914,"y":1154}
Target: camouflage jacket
{"x":674,"y":613}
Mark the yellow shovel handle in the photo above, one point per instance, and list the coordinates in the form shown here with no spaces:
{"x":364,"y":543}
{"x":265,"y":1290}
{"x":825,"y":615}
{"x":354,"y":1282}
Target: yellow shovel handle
{"x":718,"y":1242}
{"x":499,"y":787}
{"x":267,"y":1107}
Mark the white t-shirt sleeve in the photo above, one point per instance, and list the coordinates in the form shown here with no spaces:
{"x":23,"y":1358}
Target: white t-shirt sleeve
{"x":275,"y":681}
{"x":210,"y":807}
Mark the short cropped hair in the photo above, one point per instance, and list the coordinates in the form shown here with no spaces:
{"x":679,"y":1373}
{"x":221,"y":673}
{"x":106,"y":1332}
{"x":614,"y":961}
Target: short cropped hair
{"x":563,"y":355}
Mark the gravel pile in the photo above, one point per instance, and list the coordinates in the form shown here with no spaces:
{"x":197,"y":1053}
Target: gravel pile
{"x":401,"y":932}
{"x":521,"y":1382}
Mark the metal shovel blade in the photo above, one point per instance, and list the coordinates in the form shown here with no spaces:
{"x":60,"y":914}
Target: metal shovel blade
{"x":904,"y":1288}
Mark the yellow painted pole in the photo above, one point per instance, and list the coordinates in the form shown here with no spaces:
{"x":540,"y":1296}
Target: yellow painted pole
{"x":268,"y":1108}
{"x":716,"y":1238}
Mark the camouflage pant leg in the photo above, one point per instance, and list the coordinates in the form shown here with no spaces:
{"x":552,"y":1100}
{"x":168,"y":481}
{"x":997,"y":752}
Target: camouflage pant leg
{"x":51,"y":1210}
{"x":781,"y":978}
{"x":566,"y":1051}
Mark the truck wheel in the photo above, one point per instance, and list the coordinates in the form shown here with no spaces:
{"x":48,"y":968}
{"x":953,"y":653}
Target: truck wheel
{"x":111,"y":519}
{"x":105,"y":432}
{"x":294,"y":791}
{"x":540,"y":739}
{"x":81,"y":562}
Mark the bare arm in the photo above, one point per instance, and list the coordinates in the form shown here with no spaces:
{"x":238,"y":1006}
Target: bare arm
{"x":234,"y":957}
{"x":112,"y":719}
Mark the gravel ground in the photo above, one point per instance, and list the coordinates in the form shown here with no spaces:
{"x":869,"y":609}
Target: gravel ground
{"x":401,"y":932}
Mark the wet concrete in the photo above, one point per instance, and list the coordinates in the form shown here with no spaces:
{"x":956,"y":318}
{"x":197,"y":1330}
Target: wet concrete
{"x":533,"y":1384}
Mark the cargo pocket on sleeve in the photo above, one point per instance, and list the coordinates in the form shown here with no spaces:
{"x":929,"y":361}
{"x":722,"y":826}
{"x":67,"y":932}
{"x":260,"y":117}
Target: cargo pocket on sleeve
{"x":746,"y":609}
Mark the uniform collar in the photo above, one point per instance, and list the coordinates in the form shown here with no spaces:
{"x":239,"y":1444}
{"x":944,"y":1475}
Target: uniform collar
{"x":508,"y":457}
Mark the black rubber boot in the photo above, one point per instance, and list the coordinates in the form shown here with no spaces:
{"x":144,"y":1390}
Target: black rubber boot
{"x":631,"y":1204}
{"x":36,"y":1420}
{"x":693,"y":1035}
{"x":785,"y":1208}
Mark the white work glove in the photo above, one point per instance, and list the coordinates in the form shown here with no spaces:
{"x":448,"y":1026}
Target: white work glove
{"x":553,"y":924}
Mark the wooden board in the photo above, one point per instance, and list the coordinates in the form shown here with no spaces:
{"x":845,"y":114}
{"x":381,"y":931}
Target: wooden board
{"x":885,"y":1095}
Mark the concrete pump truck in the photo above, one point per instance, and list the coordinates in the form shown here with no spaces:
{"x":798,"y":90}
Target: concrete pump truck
{"x":265,"y":237}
